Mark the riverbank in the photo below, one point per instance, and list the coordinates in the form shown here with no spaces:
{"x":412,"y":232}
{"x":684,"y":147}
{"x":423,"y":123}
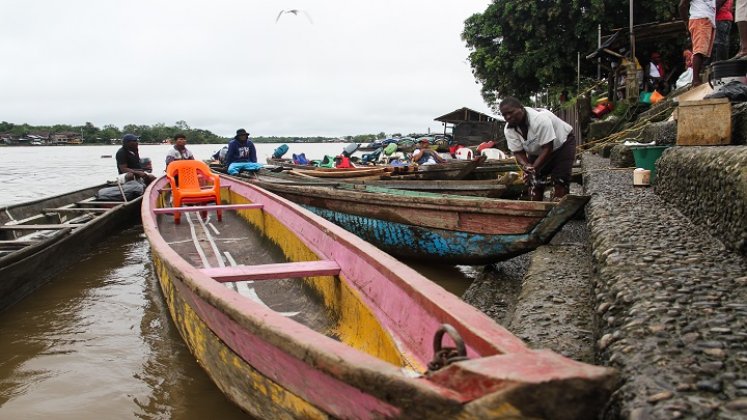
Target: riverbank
{"x":640,"y":288}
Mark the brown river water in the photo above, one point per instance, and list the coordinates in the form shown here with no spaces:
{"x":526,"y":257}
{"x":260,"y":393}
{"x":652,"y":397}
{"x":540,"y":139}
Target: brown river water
{"x":97,"y":342}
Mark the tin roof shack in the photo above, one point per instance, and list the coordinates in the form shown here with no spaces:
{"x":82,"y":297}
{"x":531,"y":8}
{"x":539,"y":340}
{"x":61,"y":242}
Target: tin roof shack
{"x":470,"y":128}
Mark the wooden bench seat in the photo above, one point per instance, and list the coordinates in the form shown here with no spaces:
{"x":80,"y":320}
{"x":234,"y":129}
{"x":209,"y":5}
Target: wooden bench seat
{"x":16,"y":244}
{"x":273,"y":271}
{"x":100,"y":203}
{"x":208,"y":208}
{"x":74,"y":209}
{"x":39,"y":227}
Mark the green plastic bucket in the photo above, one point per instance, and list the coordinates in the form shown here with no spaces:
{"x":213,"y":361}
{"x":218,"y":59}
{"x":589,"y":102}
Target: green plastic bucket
{"x":646,"y":157}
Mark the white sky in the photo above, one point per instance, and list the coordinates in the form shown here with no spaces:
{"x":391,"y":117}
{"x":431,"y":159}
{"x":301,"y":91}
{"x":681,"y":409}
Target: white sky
{"x":360,"y":67}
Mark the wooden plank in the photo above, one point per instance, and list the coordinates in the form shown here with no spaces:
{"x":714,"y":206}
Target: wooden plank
{"x":38,"y":227}
{"x":207,"y":208}
{"x":100,"y":203}
{"x":273,"y":271}
{"x":19,"y":242}
{"x":16,"y":245}
{"x":74,"y":209}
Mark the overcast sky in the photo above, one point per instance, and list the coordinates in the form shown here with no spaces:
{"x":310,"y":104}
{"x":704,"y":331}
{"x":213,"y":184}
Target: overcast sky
{"x":344,"y":68}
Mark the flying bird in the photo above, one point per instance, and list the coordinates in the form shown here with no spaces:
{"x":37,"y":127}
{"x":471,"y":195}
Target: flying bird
{"x":295,"y":12}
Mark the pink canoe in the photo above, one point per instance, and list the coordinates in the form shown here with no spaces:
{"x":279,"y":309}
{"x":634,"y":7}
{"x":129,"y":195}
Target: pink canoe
{"x":294,"y":317}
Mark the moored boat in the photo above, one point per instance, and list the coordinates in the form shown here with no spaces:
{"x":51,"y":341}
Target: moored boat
{"x":293,"y":317}
{"x":39,"y":239}
{"x":492,"y":188}
{"x":436,"y":227}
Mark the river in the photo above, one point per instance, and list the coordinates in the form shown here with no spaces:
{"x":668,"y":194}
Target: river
{"x":97,"y":342}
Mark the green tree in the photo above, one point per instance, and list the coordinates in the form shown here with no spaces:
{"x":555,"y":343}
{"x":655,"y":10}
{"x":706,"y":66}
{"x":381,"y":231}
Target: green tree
{"x":109,"y":132}
{"x":522,"y":47}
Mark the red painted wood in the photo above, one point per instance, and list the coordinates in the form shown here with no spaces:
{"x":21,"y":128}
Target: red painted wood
{"x":207,"y":208}
{"x":273,"y":271}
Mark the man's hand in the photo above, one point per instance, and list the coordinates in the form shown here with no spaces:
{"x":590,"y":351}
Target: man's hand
{"x":529,"y":169}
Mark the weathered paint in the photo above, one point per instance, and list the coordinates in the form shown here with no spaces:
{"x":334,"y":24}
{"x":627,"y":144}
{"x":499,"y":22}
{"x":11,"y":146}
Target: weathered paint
{"x":332,"y":376}
{"x":430,"y":244}
{"x":252,"y":391}
{"x":356,"y":326}
{"x":399,"y":306}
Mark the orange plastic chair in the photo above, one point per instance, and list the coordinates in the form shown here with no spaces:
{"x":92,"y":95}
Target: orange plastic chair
{"x":187,"y":189}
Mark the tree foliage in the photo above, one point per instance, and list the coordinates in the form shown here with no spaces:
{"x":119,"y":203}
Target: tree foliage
{"x":522,"y":47}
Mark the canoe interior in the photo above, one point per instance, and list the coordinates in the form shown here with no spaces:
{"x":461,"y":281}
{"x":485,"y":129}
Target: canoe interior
{"x":41,"y":238}
{"x":325,"y":304}
{"x":30,"y":226}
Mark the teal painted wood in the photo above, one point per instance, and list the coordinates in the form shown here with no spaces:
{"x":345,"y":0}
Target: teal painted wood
{"x":444,"y":246}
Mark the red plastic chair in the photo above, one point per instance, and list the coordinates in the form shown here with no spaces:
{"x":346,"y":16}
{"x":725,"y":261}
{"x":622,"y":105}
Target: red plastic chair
{"x":184,"y":177}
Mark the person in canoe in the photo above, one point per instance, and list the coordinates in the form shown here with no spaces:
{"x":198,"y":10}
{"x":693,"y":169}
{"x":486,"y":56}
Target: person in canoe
{"x":129,"y":163}
{"x":179,"y":151}
{"x":424,"y":155}
{"x":241,"y":153}
{"x":543,"y":145}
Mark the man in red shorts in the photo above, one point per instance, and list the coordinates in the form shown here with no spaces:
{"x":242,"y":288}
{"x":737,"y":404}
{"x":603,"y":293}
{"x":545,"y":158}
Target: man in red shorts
{"x":700,"y":16}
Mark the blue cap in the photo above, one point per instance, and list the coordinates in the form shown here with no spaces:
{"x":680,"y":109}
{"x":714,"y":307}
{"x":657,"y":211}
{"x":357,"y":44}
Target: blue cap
{"x":129,"y":137}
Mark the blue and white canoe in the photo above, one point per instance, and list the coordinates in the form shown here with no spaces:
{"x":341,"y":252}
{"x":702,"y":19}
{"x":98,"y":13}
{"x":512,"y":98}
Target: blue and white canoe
{"x":449,"y":229}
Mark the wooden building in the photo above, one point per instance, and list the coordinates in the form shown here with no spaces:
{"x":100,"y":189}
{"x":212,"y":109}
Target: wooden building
{"x":470,"y":128}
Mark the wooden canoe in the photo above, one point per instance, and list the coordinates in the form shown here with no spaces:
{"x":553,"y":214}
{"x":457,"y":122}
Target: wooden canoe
{"x":287,"y":163}
{"x":39,"y":239}
{"x":342,"y":173}
{"x":492,"y":188}
{"x":436,"y":227}
{"x":294,"y":317}
{"x":452,"y":170}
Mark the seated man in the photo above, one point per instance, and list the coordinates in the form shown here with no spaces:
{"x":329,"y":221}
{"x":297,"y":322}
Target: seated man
{"x":424,"y":155}
{"x":128,"y":162}
{"x":543,"y":145}
{"x":179,"y":151}
{"x":241,"y":151}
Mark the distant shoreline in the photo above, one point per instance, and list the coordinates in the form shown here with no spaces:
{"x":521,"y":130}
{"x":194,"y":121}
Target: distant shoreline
{"x":160,"y":144}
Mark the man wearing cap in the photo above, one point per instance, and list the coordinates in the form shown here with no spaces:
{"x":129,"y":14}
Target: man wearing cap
{"x":240,"y":149}
{"x":128,"y":161}
{"x":424,"y":155}
{"x":543,"y":145}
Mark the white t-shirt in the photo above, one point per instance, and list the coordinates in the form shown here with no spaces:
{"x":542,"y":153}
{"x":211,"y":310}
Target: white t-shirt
{"x":703,"y":9}
{"x":544,"y":127}
{"x":653,"y":70}
{"x":175,"y":154}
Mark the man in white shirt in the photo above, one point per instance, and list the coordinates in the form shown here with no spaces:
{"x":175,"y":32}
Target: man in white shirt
{"x":543,"y":145}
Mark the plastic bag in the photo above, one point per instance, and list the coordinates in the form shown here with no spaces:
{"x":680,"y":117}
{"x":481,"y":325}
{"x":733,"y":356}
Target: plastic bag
{"x":685,"y":78}
{"x":131,"y":190}
{"x":735,"y":90}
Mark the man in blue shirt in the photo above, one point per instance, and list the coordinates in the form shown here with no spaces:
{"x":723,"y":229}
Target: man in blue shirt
{"x":241,"y":149}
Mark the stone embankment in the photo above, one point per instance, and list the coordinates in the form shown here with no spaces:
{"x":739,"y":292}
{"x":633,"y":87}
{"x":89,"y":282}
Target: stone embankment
{"x":709,"y":186}
{"x":642,"y":288}
{"x":672,"y":301}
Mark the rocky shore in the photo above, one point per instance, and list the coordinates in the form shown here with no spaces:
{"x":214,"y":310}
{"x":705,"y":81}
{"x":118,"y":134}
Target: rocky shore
{"x":638,"y":287}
